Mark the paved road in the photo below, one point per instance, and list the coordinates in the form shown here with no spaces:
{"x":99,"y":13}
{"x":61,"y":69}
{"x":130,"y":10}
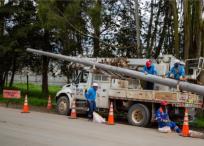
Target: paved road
{"x":43,"y":129}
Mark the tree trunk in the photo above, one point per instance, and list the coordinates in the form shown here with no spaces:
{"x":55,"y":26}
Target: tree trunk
{"x":202,"y":36}
{"x":153,"y":40}
{"x":186,"y":29}
{"x":45,"y":76}
{"x":1,"y":20}
{"x":137,"y":28}
{"x":4,"y":68}
{"x":1,"y":82}
{"x":175,"y":23}
{"x":163,"y":33}
{"x":96,"y":25}
{"x":96,"y":42}
{"x":149,"y":33}
{"x":13,"y":70}
{"x":197,"y":27}
{"x":45,"y":63}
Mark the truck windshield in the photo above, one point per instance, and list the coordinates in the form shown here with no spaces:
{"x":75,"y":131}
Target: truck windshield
{"x":82,"y":77}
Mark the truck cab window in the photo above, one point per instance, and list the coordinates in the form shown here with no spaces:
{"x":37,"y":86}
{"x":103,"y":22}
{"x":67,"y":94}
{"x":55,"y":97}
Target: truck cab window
{"x":84,"y":77}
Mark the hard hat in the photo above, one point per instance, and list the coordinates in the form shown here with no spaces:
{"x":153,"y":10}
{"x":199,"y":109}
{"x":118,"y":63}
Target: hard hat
{"x":95,"y":85}
{"x":182,"y":63}
{"x":148,"y":63}
{"x":177,"y":61}
{"x":164,"y":103}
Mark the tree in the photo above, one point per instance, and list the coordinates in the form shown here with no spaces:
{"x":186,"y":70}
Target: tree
{"x":163,"y":29}
{"x":196,"y":22}
{"x":96,"y":20}
{"x":175,"y":26}
{"x":137,"y":27}
{"x":13,"y":37}
{"x":156,"y":23}
{"x":186,"y":29}
{"x":149,"y":33}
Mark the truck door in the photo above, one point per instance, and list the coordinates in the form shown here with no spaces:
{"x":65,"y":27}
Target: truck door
{"x":82,"y":84}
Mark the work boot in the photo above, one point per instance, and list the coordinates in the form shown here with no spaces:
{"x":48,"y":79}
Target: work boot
{"x":90,"y":118}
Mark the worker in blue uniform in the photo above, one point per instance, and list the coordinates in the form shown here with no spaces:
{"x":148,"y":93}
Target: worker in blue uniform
{"x":177,"y":71}
{"x":90,"y":95}
{"x":162,"y":117}
{"x":149,"y":68}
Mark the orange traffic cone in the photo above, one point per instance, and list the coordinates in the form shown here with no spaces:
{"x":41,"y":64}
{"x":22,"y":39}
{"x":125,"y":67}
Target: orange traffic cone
{"x":25,"y":106}
{"x":49,"y":103}
{"x":185,"y":129}
{"x":111,"y":115}
{"x":73,"y":112}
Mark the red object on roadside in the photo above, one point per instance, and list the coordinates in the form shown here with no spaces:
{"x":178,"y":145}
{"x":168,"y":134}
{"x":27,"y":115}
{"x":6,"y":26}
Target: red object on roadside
{"x":12,"y":94}
{"x":25,"y":106}
{"x":49,"y":103}
{"x":111,"y":115}
{"x":185,"y":129}
{"x":73,"y":112}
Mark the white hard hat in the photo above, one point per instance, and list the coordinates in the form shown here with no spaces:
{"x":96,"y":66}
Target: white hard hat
{"x":182,"y":63}
{"x":177,"y":61}
{"x":95,"y":85}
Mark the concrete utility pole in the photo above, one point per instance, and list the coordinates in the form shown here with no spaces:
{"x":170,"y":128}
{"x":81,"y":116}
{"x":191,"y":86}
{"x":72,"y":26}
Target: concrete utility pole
{"x":198,"y":89}
{"x":137,"y":27}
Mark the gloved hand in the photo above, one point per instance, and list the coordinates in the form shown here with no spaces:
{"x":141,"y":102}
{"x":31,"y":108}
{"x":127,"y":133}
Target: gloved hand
{"x":182,"y":79}
{"x":171,"y":75}
{"x":165,"y":121}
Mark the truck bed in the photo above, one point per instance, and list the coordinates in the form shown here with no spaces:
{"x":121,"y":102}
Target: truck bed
{"x":178,"y":99}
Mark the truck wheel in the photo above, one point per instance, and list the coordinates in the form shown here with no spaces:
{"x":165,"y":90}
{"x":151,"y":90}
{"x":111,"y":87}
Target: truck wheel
{"x":63,"y":107}
{"x":138,"y":115}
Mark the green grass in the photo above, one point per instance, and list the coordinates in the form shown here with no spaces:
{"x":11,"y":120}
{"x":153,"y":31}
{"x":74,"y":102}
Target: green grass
{"x":35,"y":96}
{"x":199,"y":122}
{"x":35,"y":90}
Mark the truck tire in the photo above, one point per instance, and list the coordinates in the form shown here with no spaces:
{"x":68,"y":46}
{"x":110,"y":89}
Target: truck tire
{"x":138,"y":115}
{"x":63,"y":106}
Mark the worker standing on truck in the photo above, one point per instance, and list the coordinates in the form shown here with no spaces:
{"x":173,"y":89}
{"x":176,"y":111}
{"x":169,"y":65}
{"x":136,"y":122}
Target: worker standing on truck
{"x":163,"y":120}
{"x":177,"y":71}
{"x":90,"y":95}
{"x":149,"y":68}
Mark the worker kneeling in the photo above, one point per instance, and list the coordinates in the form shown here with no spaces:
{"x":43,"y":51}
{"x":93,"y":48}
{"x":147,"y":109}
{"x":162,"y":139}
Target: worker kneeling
{"x":164,"y":123}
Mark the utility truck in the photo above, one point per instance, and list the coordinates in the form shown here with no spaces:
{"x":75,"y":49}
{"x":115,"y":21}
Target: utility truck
{"x":124,"y":87}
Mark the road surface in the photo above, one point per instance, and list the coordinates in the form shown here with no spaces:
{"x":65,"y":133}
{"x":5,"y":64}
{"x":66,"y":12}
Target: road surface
{"x":44,"y":129}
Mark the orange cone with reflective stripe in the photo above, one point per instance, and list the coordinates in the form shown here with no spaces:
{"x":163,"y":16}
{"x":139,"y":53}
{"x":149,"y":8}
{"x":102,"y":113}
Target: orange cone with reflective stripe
{"x":111,"y":115}
{"x":49,"y":103}
{"x":185,"y":129}
{"x":25,"y":106}
{"x":73,"y":112}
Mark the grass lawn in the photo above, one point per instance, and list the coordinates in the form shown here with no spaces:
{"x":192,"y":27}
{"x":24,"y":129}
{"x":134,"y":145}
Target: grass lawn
{"x":35,"y":97}
{"x":199,"y":122}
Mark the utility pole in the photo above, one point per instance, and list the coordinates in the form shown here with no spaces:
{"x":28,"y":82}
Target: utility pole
{"x":137,"y":28}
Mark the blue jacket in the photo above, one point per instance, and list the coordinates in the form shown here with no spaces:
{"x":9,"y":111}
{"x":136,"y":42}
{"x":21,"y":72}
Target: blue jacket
{"x":90,"y":94}
{"x":162,"y":118}
{"x":177,"y":72}
{"x":152,"y":70}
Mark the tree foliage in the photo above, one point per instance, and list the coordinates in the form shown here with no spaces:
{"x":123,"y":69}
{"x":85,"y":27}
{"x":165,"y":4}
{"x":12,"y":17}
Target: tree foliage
{"x":99,"y":28}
